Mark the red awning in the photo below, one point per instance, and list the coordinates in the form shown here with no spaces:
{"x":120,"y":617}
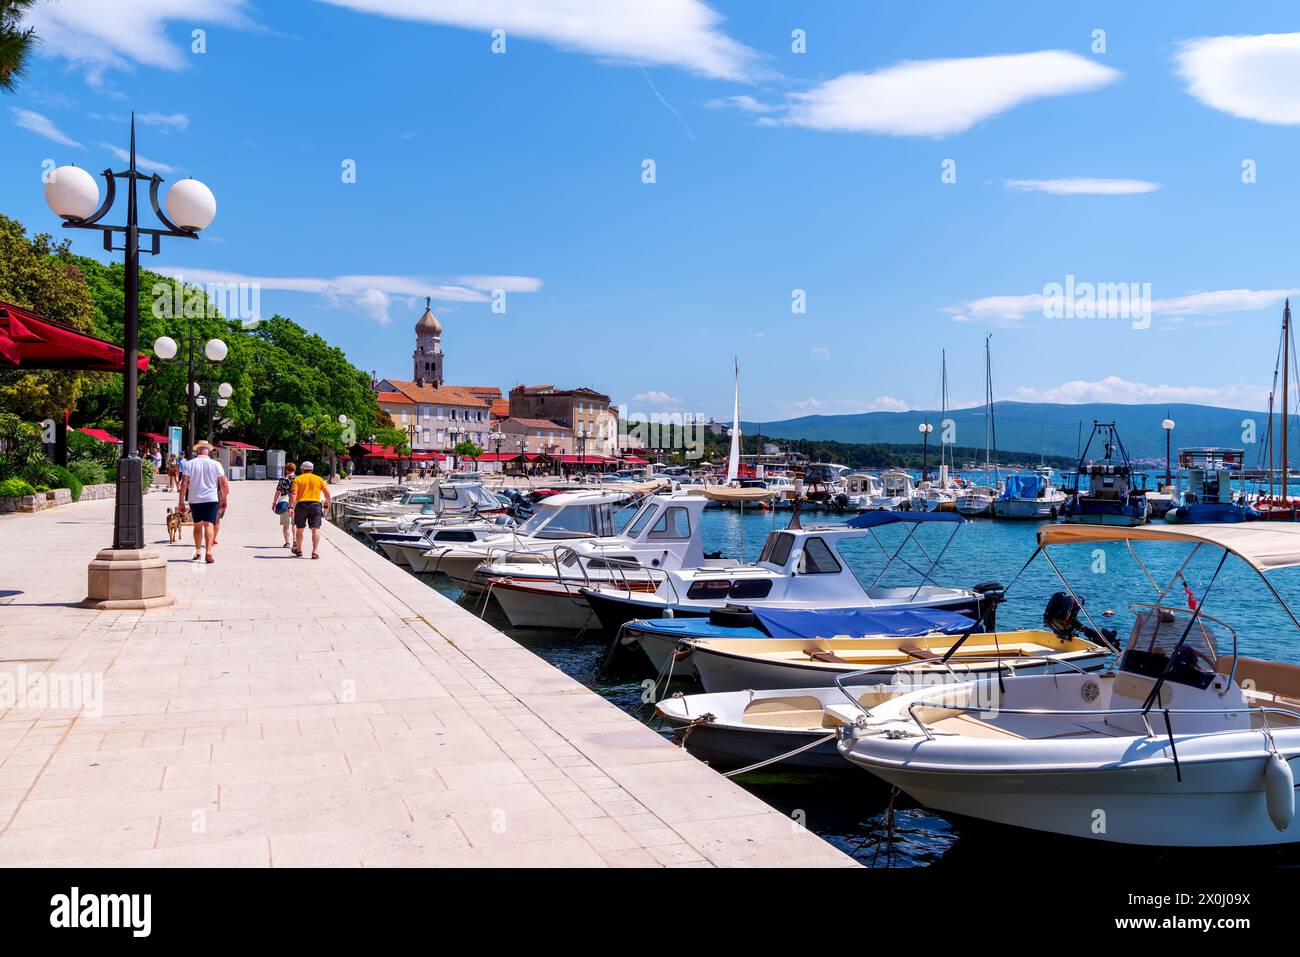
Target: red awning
{"x":494,"y":457}
{"x":154,"y":436}
{"x":636,"y":460}
{"x":424,"y":456}
{"x":29,"y":342}
{"x":101,"y":435}
{"x":231,"y":444}
{"x":380,"y":455}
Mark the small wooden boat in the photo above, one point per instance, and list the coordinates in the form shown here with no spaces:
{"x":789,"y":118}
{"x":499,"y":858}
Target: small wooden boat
{"x":737,"y":664}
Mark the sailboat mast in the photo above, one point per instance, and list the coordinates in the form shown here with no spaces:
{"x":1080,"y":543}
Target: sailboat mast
{"x":733,"y":463}
{"x":1286,"y":379}
{"x":988,"y":406}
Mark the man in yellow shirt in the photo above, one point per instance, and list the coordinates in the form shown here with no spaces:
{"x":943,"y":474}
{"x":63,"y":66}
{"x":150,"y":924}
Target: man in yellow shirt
{"x":308,"y":497}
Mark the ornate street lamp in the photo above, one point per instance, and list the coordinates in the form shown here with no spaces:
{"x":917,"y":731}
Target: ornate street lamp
{"x":214,"y":350}
{"x":139,"y":574}
{"x":925,"y":428}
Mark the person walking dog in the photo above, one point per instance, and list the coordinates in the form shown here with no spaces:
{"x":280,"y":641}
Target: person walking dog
{"x":307,"y":498}
{"x":205,"y":487}
{"x":280,"y":502}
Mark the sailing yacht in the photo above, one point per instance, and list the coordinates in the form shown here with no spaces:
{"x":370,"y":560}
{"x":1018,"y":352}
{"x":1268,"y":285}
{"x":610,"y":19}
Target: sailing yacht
{"x":939,"y":495}
{"x":976,"y":501}
{"x":1270,"y":507}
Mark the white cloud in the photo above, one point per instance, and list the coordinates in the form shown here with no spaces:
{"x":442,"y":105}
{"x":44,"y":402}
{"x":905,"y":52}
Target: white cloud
{"x":678,"y":33}
{"x":371,"y":295}
{"x":42,"y":125}
{"x":99,"y":36}
{"x":1008,"y":311}
{"x":1084,"y":185}
{"x":1123,"y":391}
{"x":657,"y":399}
{"x":1253,"y":77}
{"x":167,"y":121}
{"x":506,"y":283}
{"x":141,"y":161}
{"x":823,"y":351}
{"x":942,"y":97}
{"x":741,"y":102}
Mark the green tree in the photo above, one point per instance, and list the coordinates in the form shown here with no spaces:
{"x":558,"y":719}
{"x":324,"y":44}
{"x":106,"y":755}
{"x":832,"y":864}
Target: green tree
{"x":16,"y":43}
{"x":465,"y":449}
{"x":42,"y":276}
{"x":393,"y":438}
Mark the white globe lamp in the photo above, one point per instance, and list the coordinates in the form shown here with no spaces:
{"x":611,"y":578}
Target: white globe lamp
{"x":72,"y":193}
{"x":164,"y":347}
{"x":225,"y":390}
{"x":215,"y":350}
{"x":191,"y":205}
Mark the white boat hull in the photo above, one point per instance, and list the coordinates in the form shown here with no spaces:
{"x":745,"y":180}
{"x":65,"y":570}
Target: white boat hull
{"x":1031,"y":509}
{"x":1216,"y":804}
{"x":536,"y":607}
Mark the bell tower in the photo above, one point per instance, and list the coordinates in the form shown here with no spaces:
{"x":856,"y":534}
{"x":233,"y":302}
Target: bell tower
{"x":428,"y":348}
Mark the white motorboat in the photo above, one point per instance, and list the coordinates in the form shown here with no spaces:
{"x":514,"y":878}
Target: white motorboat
{"x":798,"y":568}
{"x":1184,"y":743}
{"x":738,"y":728}
{"x":663,"y":534}
{"x":415,"y":553}
{"x":861,"y":488}
{"x":566,"y":517}
{"x":896,"y":491}
{"x":1031,"y":497}
{"x":440,"y":500}
{"x":976,"y":501}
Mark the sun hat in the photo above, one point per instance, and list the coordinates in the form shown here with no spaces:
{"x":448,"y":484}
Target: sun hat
{"x":306,"y":467}
{"x":202,"y":444}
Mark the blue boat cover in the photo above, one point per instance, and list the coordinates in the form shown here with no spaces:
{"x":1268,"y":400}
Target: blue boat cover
{"x":1208,"y":513}
{"x":878,"y":518}
{"x":1021,"y":486}
{"x":858,"y":622}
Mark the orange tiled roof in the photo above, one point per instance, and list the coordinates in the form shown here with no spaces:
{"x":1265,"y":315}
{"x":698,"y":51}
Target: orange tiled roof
{"x":501,"y":408}
{"x":446,"y":395}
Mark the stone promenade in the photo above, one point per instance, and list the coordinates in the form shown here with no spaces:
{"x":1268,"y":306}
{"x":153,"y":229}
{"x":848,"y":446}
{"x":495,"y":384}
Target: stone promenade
{"x":288,"y":712}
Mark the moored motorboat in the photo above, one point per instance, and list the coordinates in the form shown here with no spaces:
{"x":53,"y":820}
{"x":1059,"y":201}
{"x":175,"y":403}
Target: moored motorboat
{"x":1184,"y":743}
{"x":799,"y":567}
{"x":1111,"y":497}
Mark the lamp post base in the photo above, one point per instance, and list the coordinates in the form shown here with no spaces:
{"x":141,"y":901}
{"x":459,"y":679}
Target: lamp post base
{"x":127,"y":578}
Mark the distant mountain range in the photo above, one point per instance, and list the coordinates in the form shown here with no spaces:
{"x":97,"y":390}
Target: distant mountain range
{"x":1051,"y":428}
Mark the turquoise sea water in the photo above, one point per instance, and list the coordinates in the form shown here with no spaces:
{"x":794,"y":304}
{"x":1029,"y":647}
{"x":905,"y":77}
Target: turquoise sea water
{"x":852,"y":810}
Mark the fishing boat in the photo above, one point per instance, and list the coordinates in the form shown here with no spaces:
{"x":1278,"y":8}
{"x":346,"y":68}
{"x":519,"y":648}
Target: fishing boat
{"x":896,"y":491}
{"x":1030,"y":496}
{"x":659,"y":639}
{"x":1185,"y":742}
{"x":860,"y":489}
{"x":1209,"y":498}
{"x":799,"y":567}
{"x":1111,"y":497}
{"x":542,"y":589}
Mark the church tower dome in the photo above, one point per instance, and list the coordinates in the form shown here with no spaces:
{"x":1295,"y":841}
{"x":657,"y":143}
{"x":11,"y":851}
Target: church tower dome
{"x":428,"y":347}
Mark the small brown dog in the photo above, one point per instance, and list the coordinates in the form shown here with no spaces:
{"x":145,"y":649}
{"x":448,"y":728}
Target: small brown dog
{"x":174,"y":519}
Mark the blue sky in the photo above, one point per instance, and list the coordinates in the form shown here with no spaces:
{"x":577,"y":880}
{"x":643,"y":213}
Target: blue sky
{"x":775,"y":171}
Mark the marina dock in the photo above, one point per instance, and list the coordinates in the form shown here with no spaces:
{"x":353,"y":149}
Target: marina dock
{"x":289,"y":712}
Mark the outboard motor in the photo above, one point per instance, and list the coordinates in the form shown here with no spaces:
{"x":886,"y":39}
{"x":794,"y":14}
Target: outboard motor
{"x":991,"y":594}
{"x":1061,"y":616}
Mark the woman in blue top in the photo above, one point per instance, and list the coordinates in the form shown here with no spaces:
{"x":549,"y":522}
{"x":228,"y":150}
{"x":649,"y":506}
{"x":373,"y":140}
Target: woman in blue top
{"x":280,"y":504}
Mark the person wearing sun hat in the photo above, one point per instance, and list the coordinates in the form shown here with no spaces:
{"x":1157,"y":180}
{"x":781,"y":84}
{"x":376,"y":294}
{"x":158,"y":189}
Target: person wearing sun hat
{"x":307,"y":500}
{"x":205,"y":488}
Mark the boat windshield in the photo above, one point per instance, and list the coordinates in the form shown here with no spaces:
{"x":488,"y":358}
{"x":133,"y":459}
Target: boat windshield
{"x":638,"y":519}
{"x":570,"y":521}
{"x":1154,"y":642}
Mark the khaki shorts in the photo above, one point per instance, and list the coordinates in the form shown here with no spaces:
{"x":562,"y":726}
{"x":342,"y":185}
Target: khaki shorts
{"x":286,"y":517}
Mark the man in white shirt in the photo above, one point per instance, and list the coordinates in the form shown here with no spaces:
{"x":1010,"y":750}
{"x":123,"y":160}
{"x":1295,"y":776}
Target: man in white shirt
{"x":205,"y":488}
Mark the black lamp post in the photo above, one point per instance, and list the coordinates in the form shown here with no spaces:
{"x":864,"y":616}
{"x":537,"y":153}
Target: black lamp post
{"x":1168,"y":426}
{"x":214,"y":351}
{"x":73,"y":194}
{"x":925,"y":428}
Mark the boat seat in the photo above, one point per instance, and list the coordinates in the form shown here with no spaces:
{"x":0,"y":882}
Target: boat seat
{"x":829,"y":657}
{"x":916,"y":651}
{"x":1269,"y":677}
{"x":969,"y":726}
{"x":796,"y":711}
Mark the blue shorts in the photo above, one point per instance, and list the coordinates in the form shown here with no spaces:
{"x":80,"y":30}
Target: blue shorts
{"x":204,"y":511}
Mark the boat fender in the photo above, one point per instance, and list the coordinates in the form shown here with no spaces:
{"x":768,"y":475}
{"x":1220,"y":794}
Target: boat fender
{"x":1279,"y":789}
